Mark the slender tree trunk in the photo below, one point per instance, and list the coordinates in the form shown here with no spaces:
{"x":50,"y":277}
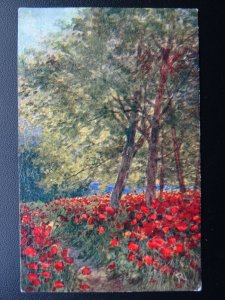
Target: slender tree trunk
{"x":180,"y":176}
{"x":128,"y":154}
{"x":162,"y":171}
{"x":153,"y":143}
{"x":127,"y":157}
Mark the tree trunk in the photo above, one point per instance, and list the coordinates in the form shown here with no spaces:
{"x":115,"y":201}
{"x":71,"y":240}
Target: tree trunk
{"x":153,"y":143}
{"x":180,"y":176}
{"x":129,"y":151}
{"x":127,"y":158}
{"x":162,"y":172}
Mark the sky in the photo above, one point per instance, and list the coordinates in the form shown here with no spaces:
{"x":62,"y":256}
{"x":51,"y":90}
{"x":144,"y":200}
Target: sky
{"x":35,"y":23}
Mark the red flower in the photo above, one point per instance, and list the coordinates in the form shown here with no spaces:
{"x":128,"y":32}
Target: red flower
{"x":84,"y":217}
{"x":165,"y":229}
{"x":86,"y":271}
{"x":148,"y":228}
{"x":148,"y":259}
{"x":168,"y":217}
{"x":54,"y":249}
{"x":101,"y":229}
{"x":133,"y":247}
{"x":155,"y":243}
{"x":32,"y":266}
{"x":30,"y":251}
{"x":24,"y":241}
{"x":59,"y":266}
{"x":102,"y":217}
{"x":37,"y":231}
{"x":45,"y":265}
{"x":111,"y":266}
{"x":133,"y":222}
{"x":110,"y":210}
{"x":174,"y":209}
{"x":65,"y":252}
{"x":172,"y":240}
{"x":138,"y":216}
{"x":153,"y":217}
{"x":24,"y":232}
{"x":90,"y":220}
{"x":58,"y":284}
{"x":32,"y":276}
{"x":114,"y":242}
{"x":181,"y":226}
{"x":36,"y":282}
{"x":84,"y":287}
{"x":145,"y":209}
{"x":26,"y":219}
{"x":194,"y":228}
{"x":139,"y":263}
{"x":131,"y":257}
{"x":166,"y":252}
{"x":68,"y":260}
{"x":46,"y":274}
{"x":179,"y":248}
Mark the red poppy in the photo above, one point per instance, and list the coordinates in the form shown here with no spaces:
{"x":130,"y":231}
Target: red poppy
{"x":65,"y":252}
{"x":46,"y":274}
{"x":26,"y":219}
{"x":86,"y":271}
{"x":30,"y":251}
{"x":102,"y":217}
{"x":32,"y":266}
{"x":145,"y":209}
{"x":153,"y":217}
{"x":131,"y":257}
{"x":45,"y":265}
{"x":24,"y":241}
{"x":174,"y":209}
{"x":110,"y":210}
{"x":101,"y":229}
{"x":68,"y":260}
{"x":181,"y":226}
{"x":133,"y":222}
{"x":36,"y":282}
{"x":84,"y":217}
{"x":139,"y":263}
{"x":194,"y":228}
{"x":155,"y":243}
{"x":172,"y":240}
{"x":149,"y":228}
{"x":84,"y":287}
{"x":166,"y":252}
{"x":168,"y":217}
{"x":53,"y":250}
{"x":111,"y":266}
{"x":179,"y":248}
{"x":90,"y":220}
{"x":32,"y":276}
{"x":24,"y":232}
{"x":58,"y":284}
{"x":37,"y":231}
{"x":148,"y":259}
{"x":59,"y":266}
{"x":133,"y":247}
{"x":114,"y":242}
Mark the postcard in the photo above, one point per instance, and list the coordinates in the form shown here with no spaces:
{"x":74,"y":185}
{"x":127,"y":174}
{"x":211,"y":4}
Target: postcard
{"x":109,"y":149}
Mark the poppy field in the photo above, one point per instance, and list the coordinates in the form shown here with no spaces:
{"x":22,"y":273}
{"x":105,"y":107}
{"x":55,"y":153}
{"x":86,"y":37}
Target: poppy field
{"x":85,"y":245}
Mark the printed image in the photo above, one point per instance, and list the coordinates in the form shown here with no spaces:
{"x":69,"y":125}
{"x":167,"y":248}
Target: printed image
{"x":109,"y":149}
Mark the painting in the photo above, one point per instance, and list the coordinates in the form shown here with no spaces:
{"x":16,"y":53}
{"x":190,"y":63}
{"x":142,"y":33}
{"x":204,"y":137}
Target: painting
{"x":109,"y":149}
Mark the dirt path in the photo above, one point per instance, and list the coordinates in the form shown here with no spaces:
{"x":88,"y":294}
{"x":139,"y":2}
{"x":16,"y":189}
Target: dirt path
{"x":97,"y":280}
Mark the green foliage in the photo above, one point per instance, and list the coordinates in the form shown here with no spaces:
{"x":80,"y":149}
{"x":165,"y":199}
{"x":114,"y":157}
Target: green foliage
{"x":68,"y":92}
